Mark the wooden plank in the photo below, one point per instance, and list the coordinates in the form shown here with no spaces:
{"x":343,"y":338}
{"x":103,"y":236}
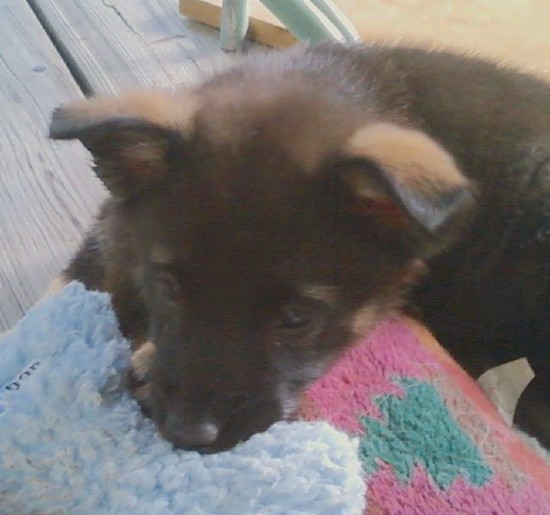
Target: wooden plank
{"x":509,"y":30}
{"x":47,"y":192}
{"x":264,"y":27}
{"x":119,"y":44}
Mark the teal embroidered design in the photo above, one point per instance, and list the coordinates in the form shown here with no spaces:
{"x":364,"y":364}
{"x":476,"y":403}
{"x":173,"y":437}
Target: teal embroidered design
{"x":419,"y":429}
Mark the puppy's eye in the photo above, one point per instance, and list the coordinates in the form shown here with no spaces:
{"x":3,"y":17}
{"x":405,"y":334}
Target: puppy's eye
{"x":294,"y":317}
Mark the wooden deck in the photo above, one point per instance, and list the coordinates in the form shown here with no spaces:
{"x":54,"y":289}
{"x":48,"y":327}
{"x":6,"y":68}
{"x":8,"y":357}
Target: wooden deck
{"x":52,"y":52}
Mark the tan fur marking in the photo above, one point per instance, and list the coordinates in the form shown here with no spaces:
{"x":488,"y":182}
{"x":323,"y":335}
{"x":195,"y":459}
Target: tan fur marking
{"x":324,"y":293}
{"x":412,"y":156}
{"x":293,"y":117}
{"x":141,"y":360}
{"x":364,"y":320}
{"x":366,"y":317}
{"x":163,"y":108}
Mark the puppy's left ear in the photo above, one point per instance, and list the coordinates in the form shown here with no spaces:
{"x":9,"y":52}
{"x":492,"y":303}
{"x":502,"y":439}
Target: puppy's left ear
{"x":404,"y":181}
{"x":132,"y":138}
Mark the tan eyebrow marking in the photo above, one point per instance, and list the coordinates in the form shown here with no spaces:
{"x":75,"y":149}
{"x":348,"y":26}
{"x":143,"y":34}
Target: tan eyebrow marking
{"x":325,"y":293}
{"x":364,"y":320}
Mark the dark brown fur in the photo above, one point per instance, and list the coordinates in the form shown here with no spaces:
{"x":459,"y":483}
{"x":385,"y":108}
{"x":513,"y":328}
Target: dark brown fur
{"x":263,"y":219}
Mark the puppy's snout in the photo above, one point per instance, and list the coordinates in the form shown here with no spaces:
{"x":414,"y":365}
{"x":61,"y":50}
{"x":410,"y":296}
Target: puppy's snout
{"x":212,"y":426}
{"x":200,"y":435}
{"x":202,"y":412}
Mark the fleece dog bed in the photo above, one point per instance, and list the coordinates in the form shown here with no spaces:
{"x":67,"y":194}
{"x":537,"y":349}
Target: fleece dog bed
{"x":395,"y":427}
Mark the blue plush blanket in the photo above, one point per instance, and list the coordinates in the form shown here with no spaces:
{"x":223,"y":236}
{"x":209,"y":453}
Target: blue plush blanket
{"x":73,"y":441}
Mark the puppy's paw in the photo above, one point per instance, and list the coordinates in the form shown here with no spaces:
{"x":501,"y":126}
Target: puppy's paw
{"x":141,"y":361}
{"x":138,"y":376}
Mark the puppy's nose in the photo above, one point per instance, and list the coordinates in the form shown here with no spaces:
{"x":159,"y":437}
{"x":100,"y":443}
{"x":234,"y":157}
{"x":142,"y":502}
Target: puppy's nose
{"x":197,"y":436}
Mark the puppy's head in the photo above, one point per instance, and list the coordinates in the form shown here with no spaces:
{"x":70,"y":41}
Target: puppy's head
{"x":273,"y":225}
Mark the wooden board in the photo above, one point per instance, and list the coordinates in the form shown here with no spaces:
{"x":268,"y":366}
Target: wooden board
{"x":47,"y":193}
{"x":263,"y":26}
{"x":121,"y":44}
{"x":516,"y":31}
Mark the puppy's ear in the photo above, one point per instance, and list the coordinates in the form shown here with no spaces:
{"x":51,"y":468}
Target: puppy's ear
{"x":132,"y":138}
{"x":404,"y":180}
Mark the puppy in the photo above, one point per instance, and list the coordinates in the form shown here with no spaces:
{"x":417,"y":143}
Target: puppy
{"x":262,"y":221}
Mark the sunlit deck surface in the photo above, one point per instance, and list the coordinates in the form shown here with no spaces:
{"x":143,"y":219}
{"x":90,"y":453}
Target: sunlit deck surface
{"x":52,"y":52}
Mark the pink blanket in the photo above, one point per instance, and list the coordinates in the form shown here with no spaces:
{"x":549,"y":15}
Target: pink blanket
{"x":429,"y":440}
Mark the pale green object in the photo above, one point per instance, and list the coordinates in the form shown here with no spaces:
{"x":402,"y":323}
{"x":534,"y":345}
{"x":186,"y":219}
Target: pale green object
{"x":308,"y":20}
{"x":233,"y":24}
{"x":338,"y":18}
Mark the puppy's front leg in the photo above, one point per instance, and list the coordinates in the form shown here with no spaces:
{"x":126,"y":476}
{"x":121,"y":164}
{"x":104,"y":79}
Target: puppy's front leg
{"x":97,"y":272}
{"x":139,"y":375}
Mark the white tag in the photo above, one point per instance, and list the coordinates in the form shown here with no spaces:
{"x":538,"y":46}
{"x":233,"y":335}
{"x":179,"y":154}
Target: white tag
{"x":505,"y":384}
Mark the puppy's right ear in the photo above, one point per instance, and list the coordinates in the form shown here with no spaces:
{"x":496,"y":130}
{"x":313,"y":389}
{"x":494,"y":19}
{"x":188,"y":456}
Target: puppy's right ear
{"x":133,"y":138}
{"x":404,"y":183}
